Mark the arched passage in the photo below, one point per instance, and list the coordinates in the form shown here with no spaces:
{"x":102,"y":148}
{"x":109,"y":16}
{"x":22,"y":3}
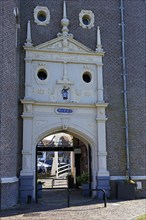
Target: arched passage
{"x":64,"y":154}
{"x":33,"y":134}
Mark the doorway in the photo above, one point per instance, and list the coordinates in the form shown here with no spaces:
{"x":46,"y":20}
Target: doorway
{"x":61,"y":158}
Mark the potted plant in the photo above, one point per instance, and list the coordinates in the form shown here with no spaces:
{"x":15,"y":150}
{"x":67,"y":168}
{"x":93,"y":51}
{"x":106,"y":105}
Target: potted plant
{"x":83,"y":180}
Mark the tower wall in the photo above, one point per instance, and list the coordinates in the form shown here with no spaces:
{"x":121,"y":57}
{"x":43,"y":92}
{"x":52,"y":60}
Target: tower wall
{"x":9,"y":105}
{"x":107,"y":16}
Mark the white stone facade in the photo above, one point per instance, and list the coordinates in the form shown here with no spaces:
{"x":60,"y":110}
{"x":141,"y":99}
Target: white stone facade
{"x":69,"y":64}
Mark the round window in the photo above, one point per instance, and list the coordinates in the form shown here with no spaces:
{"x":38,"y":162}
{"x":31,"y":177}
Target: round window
{"x":86,"y":19}
{"x":41,"y":16}
{"x":87,"y":77}
{"x":42,"y":75}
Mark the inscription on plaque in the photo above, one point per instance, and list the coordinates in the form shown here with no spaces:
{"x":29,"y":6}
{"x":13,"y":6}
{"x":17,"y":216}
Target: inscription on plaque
{"x":64,"y":111}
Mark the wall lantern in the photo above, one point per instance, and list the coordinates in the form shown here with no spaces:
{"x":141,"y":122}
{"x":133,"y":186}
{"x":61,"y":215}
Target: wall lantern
{"x":65,"y":92}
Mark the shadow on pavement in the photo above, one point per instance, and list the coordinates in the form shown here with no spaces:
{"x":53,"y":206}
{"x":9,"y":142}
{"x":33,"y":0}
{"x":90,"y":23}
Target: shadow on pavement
{"x":53,"y":200}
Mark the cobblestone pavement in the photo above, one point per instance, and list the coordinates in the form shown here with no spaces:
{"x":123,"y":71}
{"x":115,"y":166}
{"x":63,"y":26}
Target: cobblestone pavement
{"x":53,"y":206}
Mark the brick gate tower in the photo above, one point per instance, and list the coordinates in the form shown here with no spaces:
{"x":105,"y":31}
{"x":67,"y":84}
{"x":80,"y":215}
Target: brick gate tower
{"x":113,"y":91}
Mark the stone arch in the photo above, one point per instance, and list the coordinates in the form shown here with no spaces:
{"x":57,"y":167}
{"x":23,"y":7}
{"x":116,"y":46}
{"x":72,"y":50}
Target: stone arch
{"x":82,"y":135}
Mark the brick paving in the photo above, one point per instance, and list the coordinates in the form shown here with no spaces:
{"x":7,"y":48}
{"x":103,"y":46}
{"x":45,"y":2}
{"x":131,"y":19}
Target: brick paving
{"x":53,"y":206}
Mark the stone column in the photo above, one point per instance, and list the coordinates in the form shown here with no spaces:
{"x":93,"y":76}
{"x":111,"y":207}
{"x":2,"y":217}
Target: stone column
{"x":99,"y":84}
{"x":103,"y":174}
{"x":55,"y":164}
{"x":27,"y":173}
{"x":72,"y":162}
{"x":28,"y":87}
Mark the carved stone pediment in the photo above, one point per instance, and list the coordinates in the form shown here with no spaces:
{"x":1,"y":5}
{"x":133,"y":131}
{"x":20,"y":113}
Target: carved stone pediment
{"x":64,"y":44}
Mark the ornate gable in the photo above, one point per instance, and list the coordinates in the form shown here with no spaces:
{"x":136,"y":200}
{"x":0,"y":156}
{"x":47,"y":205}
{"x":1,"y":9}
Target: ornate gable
{"x":64,"y":43}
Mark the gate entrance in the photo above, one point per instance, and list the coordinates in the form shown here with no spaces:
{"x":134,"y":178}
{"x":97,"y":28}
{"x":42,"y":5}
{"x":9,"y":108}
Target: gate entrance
{"x":64,"y":92}
{"x":61,"y":161}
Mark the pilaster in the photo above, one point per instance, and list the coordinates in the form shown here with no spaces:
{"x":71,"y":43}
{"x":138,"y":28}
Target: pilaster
{"x":28,"y":86}
{"x":103,"y":174}
{"x":99,"y":84}
{"x":27,"y":139}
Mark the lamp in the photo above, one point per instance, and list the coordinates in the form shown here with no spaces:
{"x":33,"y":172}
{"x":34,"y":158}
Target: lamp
{"x":65,"y":92}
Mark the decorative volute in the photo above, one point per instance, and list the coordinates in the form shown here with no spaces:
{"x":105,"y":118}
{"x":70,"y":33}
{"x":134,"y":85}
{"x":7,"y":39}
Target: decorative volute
{"x":28,"y":40}
{"x":98,"y":46}
{"x":64,"y":23}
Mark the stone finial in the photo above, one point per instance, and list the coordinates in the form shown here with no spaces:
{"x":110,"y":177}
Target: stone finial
{"x":98,"y":46}
{"x":64,"y":23}
{"x":64,"y":9}
{"x":28,"y":40}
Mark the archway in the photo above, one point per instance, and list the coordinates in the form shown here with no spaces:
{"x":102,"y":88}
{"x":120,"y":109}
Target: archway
{"x":62,"y":158}
{"x":69,"y":98}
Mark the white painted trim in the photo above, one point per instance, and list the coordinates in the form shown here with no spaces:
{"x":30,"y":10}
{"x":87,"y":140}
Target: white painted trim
{"x":9,"y":179}
{"x":60,"y":104}
{"x":123,"y":177}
